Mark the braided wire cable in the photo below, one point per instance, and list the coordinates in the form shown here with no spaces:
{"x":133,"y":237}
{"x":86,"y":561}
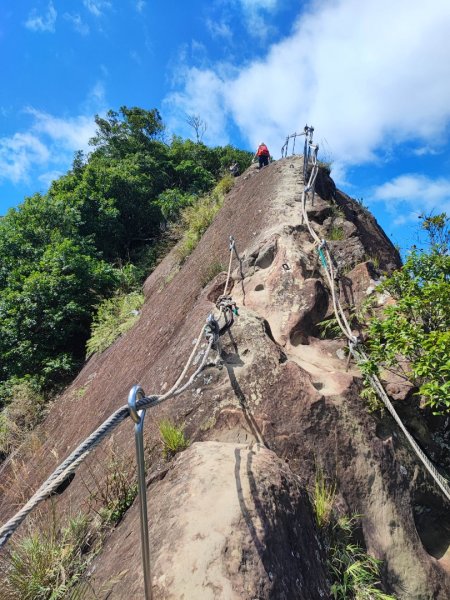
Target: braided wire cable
{"x":360,"y":356}
{"x":62,"y":471}
{"x":70,"y":464}
{"x":188,"y":363}
{"x":232,"y":247}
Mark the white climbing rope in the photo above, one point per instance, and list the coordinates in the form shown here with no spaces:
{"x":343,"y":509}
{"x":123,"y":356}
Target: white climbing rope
{"x":355,"y":347}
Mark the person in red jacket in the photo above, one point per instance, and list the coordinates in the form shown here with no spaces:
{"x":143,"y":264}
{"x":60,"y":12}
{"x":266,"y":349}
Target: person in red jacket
{"x":263,"y":155}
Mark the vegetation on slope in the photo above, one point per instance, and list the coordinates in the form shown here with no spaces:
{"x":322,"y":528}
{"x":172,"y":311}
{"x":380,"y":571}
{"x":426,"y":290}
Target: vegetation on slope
{"x":412,"y":336}
{"x":354,"y":573}
{"x":49,"y":557}
{"x":93,"y":236}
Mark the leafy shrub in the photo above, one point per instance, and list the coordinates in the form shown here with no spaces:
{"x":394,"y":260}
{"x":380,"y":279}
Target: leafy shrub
{"x":115,"y":316}
{"x":356,"y":574}
{"x":329,"y":328}
{"x":197,"y":218}
{"x":172,"y":437}
{"x":336,"y":234}
{"x":224,"y":186}
{"x":412,"y":338}
{"x":46,"y":306}
{"x":172,"y":202}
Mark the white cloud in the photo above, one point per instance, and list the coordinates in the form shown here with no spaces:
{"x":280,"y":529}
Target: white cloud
{"x":18,"y":154}
{"x":70,"y":134}
{"x":255,"y":13}
{"x":219,"y":29}
{"x":45,"y":22}
{"x":97,"y":7}
{"x":50,"y":142}
{"x":414,"y":194}
{"x":140,"y":5}
{"x":96,"y":98}
{"x":425,"y":150}
{"x":49,"y":176}
{"x":202,"y":96}
{"x":368,"y":75}
{"x":78,"y":24}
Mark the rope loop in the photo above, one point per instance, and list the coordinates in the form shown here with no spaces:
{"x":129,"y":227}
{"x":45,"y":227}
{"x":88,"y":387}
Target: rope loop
{"x":212,"y":329}
{"x":226,"y":302}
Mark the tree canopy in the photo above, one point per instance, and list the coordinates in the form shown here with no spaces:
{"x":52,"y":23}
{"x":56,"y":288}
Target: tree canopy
{"x":66,"y":251}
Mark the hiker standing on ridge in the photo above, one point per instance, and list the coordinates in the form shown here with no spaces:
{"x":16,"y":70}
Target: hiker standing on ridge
{"x":263,"y":155}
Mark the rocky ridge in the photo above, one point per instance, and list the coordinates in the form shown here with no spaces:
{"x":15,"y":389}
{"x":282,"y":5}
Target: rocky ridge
{"x":283,"y":404}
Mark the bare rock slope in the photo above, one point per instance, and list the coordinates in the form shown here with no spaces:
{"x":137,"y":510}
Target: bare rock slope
{"x":235,"y":523}
{"x":230,"y":518}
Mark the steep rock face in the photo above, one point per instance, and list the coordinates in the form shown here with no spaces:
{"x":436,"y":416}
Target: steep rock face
{"x":281,"y":386}
{"x":234,"y":523}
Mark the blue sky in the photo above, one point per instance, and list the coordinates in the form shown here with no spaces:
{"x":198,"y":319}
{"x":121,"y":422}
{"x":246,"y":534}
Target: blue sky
{"x":372,"y":77}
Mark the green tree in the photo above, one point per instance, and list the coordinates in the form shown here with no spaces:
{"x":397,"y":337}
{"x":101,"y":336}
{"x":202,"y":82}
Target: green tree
{"x":46,"y":311}
{"x":97,"y":231}
{"x":128,"y":131}
{"x":412,"y":337}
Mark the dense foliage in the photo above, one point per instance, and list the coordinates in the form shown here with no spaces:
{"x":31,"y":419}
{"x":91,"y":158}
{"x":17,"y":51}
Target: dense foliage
{"x":93,"y":234}
{"x":412,"y":337}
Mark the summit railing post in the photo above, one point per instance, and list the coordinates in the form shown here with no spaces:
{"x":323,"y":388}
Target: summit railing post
{"x":305,"y":154}
{"x":136,"y":393}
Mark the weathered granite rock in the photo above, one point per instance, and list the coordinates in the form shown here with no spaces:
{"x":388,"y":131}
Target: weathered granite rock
{"x":227,"y":521}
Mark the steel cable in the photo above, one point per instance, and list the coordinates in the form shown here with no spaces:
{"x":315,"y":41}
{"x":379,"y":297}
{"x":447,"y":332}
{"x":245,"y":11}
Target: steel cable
{"x":70,"y":464}
{"x":358,"y":353}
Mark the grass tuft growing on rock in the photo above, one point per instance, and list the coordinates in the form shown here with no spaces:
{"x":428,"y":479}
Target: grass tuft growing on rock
{"x":324,"y":496}
{"x":355,"y":574}
{"x":113,"y":492}
{"x":48,"y":562}
{"x":336,"y":234}
{"x":172,"y":437}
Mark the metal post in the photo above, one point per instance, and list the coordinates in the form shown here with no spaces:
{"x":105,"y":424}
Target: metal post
{"x":305,"y":155}
{"x":136,"y":393}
